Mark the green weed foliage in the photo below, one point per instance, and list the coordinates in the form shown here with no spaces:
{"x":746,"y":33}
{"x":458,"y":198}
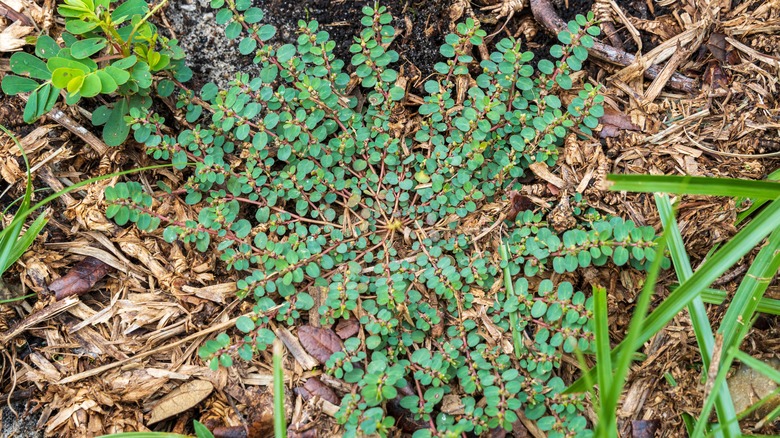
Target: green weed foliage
{"x":108,"y":49}
{"x":308,"y":183}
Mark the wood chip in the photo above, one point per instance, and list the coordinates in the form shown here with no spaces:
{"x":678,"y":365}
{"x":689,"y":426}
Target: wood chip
{"x":184,"y":397}
{"x":542,"y":171}
{"x":306,"y":361}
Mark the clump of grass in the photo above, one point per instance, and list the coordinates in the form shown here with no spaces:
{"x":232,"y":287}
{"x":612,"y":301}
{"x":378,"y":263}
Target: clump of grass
{"x":690,"y":294}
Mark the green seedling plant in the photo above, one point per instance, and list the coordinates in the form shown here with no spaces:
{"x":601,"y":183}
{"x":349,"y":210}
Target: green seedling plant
{"x":309,"y":181}
{"x":108,"y":50}
{"x":693,"y":291}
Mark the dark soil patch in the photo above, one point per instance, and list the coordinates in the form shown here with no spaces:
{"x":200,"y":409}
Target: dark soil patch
{"x":12,"y":115}
{"x":421,"y":28}
{"x":22,"y":426}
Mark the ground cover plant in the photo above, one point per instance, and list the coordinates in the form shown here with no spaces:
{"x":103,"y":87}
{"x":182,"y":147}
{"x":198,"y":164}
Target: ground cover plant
{"x":318,"y":195}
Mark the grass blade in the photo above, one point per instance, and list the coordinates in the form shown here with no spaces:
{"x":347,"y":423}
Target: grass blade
{"x":22,"y":215}
{"x":760,"y":366}
{"x":201,"y":431}
{"x":280,"y":420}
{"x":743,"y":306}
{"x":607,"y":425}
{"x":696,"y":185}
{"x":720,"y":379}
{"x":766,"y":305}
{"x":758,"y":203}
{"x":24,"y":242}
{"x":10,"y":235}
{"x":11,"y":300}
{"x":517,"y":340}
{"x":697,"y":312}
{"x":625,"y":357}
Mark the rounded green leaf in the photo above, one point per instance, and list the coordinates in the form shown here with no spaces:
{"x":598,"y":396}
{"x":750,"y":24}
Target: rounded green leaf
{"x":74,"y":85}
{"x":91,"y":86}
{"x":62,"y":76}
{"x":13,"y":85}
{"x":24,"y":63}
{"x":78,"y":27}
{"x":539,"y":309}
{"x":87,"y":47}
{"x":107,"y":83}
{"x":46,"y":47}
{"x":245,"y":324}
{"x":620,"y":256}
{"x":118,"y":75}
{"x":116,"y":130}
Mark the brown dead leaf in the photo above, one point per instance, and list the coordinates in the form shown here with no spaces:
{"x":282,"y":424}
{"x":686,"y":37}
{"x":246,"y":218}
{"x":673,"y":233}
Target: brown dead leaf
{"x":518,"y":203}
{"x":80,"y":278}
{"x":180,"y":399}
{"x":319,"y":342}
{"x":315,"y":387}
{"x":717,"y":45}
{"x":613,"y":121}
{"x":618,"y":118}
{"x":644,"y":428}
{"x":347,"y":328}
{"x":307,"y":433}
{"x":229,"y":432}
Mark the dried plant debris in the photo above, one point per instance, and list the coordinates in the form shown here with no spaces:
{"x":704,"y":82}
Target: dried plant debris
{"x":315,"y":388}
{"x":184,"y":397}
{"x":319,"y":342}
{"x":80,"y":279}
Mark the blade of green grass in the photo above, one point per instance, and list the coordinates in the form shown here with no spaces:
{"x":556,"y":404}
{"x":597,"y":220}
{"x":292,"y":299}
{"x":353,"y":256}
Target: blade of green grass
{"x":743,"y":306}
{"x":517,"y":340}
{"x":758,"y":365}
{"x":11,"y":300}
{"x":201,"y":431}
{"x":24,"y":242}
{"x":595,"y":402}
{"x":771,"y":397}
{"x":607,"y":424}
{"x":757,"y":203}
{"x":690,"y":423}
{"x":720,"y":379}
{"x":609,"y":402}
{"x":710,"y":270}
{"x":280,"y":420}
{"x":695,"y":185}
{"x":740,"y":313}
{"x":22,"y":215}
{"x":766,"y":305}
{"x":698,"y":313}
{"x":770,"y":417}
{"x":9,"y":239}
